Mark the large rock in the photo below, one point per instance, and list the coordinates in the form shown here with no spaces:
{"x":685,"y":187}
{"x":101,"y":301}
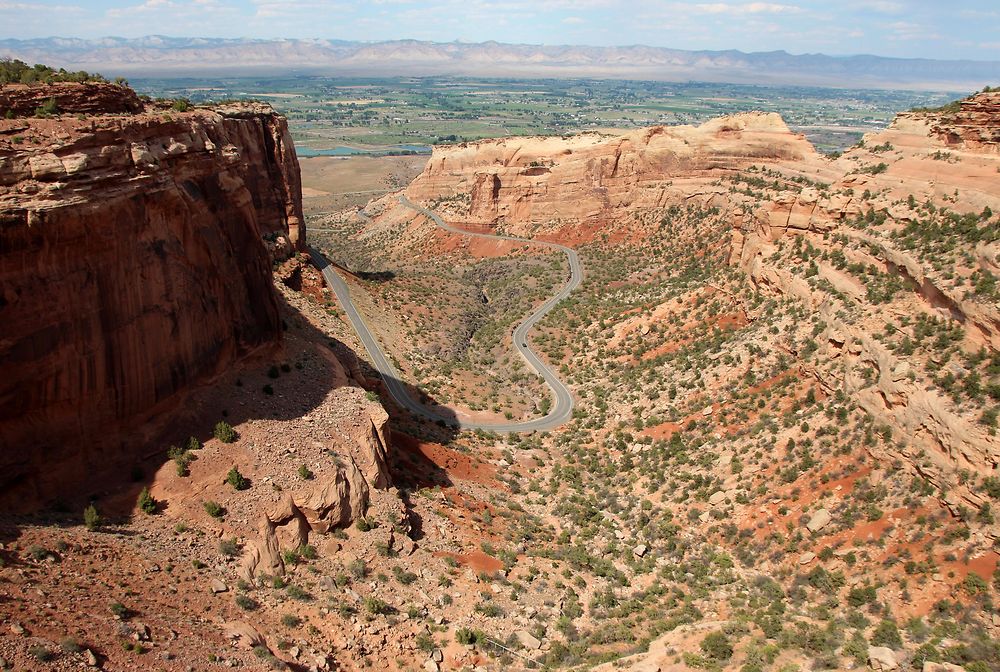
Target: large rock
{"x":329,"y":502}
{"x":882,"y":659}
{"x":133,"y":266}
{"x":819,"y":520}
{"x":243,"y":634}
{"x":528,"y":640}
{"x":941,"y":667}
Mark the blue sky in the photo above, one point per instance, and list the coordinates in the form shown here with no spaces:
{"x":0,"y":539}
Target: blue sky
{"x":909,"y":28}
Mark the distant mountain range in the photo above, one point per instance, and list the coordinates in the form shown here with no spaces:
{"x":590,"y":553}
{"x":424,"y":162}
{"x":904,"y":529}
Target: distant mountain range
{"x":161,"y":56}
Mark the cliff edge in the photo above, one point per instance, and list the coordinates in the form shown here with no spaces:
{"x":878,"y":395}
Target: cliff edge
{"x":136,"y":252}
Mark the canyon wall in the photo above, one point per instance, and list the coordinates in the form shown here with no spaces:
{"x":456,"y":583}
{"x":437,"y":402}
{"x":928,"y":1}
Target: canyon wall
{"x":547,"y":184}
{"x":135,"y":262}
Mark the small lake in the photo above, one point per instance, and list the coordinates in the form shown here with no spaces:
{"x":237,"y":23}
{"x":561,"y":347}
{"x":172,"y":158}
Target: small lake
{"x":306,"y":152}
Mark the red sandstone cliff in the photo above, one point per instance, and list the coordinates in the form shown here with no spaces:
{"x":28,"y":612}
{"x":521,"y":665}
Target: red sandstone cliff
{"x":135,"y":261}
{"x":530,"y":184}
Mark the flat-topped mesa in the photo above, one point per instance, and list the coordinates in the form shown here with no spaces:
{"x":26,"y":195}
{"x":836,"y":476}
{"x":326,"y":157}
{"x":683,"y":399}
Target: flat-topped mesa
{"x":136,"y":255}
{"x":530,"y":181}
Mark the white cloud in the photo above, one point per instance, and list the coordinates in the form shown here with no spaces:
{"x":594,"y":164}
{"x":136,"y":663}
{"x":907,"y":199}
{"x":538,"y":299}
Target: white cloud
{"x":885,"y":6}
{"x":573,"y":20}
{"x":746,"y":8}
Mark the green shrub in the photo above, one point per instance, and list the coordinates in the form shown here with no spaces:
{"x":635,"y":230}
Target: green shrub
{"x":373,"y":605}
{"x":91,"y":518}
{"x":297,"y":593}
{"x":856,"y":648}
{"x":717,"y":646}
{"x":886,"y":634}
{"x":861,"y":595}
{"x":146,"y":503}
{"x":468,"y":637}
{"x":40,"y":653}
{"x":229,"y":548}
{"x":246,"y":602}
{"x":305,"y":474}
{"x":224,"y":432}
{"x":974,"y":584}
{"x":237,"y":480}
{"x":291,"y":621}
{"x":214,"y":509}
{"x":358,"y":569}
{"x":70,"y":645}
{"x":47,"y":109}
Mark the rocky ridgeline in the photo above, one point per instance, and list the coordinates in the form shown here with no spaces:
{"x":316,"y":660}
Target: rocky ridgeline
{"x":977,"y":123}
{"x":535,"y":184}
{"x":19,"y":100}
{"x":135,"y":262}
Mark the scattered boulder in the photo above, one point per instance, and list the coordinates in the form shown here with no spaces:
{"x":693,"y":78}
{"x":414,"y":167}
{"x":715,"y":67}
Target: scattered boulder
{"x":528,"y":640}
{"x":806,"y":558}
{"x":640,"y":550}
{"x":717,"y":498}
{"x":882,"y":659}
{"x":819,"y":520}
{"x":243,"y":635}
{"x":941,"y":667}
{"x":218,"y":586}
{"x":91,"y":659}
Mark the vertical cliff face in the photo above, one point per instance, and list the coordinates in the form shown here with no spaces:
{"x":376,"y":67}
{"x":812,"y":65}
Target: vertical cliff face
{"x":135,"y":262}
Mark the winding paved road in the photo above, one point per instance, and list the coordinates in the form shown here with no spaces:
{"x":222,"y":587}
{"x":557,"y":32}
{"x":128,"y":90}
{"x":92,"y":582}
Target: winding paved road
{"x":561,"y":410}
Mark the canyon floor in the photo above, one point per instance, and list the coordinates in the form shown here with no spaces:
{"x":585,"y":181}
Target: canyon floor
{"x":783,"y":455}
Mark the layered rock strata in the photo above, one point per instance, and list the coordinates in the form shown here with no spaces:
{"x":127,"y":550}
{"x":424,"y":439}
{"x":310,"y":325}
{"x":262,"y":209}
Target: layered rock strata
{"x":135,"y":262}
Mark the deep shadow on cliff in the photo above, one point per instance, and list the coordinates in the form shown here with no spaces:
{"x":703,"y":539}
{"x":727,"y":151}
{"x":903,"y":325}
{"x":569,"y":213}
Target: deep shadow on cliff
{"x":135,"y":265}
{"x":300,"y":374}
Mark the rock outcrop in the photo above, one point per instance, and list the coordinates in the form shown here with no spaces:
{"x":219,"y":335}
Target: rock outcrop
{"x":527,"y":184}
{"x":975,"y":124}
{"x":135,"y":262}
{"x":334,"y":501}
{"x":924,"y":157}
{"x":85,"y":98}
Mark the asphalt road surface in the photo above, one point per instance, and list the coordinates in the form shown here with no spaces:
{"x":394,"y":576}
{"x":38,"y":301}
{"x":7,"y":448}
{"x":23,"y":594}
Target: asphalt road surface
{"x":562,"y":408}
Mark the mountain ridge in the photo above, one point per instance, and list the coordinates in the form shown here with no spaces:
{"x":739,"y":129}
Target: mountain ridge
{"x":163,"y":55}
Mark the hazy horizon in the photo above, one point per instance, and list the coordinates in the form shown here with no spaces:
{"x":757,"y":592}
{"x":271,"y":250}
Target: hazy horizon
{"x":891,"y":28}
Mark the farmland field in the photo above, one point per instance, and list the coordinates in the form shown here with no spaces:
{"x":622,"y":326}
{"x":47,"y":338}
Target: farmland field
{"x":404,"y":115}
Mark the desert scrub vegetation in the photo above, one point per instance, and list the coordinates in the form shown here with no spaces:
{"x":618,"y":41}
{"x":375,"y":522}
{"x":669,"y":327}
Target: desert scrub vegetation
{"x":92,"y":518}
{"x":237,"y":480}
{"x":145,"y":502}
{"x":459,"y":351}
{"x":15,"y":71}
{"x":224,"y":432}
